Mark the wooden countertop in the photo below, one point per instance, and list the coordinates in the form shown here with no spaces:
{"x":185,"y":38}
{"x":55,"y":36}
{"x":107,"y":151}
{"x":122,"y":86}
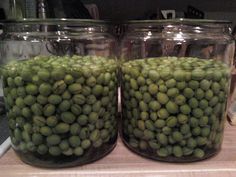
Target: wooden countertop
{"x":124,"y":163}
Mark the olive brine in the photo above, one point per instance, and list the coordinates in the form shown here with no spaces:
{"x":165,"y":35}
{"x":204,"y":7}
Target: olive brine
{"x":174,"y":108}
{"x":61,"y":107}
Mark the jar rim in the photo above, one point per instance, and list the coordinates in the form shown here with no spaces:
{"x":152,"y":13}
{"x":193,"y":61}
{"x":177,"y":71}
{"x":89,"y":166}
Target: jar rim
{"x":179,"y":21}
{"x":54,"y":21}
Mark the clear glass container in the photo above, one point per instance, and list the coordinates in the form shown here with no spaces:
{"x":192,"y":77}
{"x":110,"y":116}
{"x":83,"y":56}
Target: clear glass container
{"x":60,"y":90}
{"x":175,"y":82}
{"x":232,"y":97}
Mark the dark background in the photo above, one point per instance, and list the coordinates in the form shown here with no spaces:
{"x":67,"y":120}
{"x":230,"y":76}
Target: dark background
{"x":142,"y":9}
{"x":133,"y":9}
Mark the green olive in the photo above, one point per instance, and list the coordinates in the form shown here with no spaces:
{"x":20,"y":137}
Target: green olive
{"x":171,"y":106}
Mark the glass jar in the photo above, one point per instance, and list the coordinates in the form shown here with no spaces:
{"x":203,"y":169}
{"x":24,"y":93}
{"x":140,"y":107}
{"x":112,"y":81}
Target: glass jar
{"x":232,"y":97}
{"x":60,"y":90}
{"x":175,"y":83}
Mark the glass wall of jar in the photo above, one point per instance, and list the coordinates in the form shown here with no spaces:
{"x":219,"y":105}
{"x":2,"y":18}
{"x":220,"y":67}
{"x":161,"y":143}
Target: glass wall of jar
{"x":60,"y":90}
{"x":232,"y":97}
{"x":175,"y":83}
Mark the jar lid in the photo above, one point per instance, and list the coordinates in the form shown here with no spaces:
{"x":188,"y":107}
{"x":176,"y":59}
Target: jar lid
{"x":180,"y":24}
{"x":179,"y":21}
{"x":55,"y":21}
{"x":54,"y":24}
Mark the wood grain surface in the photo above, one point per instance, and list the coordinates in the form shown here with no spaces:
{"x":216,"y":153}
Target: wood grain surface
{"x":122,"y":162}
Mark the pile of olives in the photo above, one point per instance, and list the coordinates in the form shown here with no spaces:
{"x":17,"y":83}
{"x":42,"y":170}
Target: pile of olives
{"x":61,"y":107}
{"x":173,"y":108}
